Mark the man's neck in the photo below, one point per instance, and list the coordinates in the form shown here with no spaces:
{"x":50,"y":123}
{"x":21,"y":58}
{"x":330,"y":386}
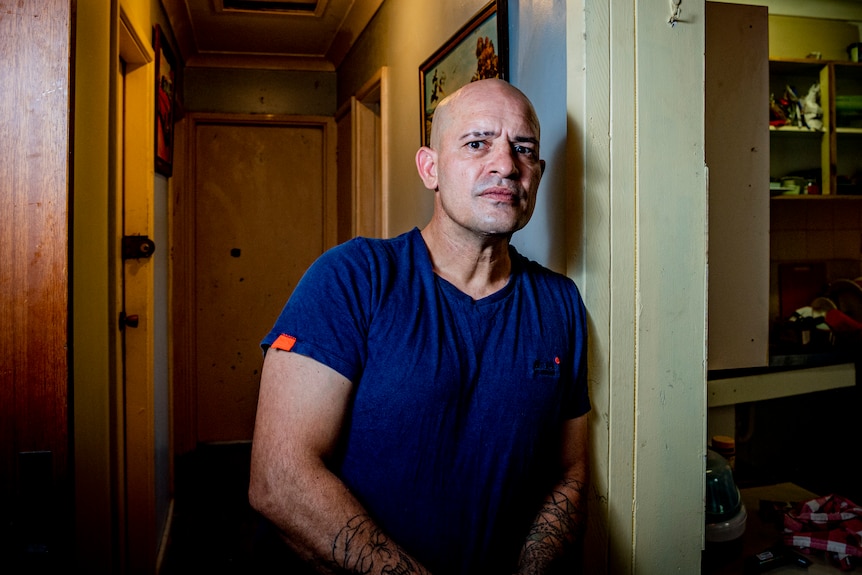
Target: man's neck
{"x":478,"y":267}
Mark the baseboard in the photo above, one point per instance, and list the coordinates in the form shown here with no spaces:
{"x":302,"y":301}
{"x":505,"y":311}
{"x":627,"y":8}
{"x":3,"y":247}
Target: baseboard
{"x":166,"y":538}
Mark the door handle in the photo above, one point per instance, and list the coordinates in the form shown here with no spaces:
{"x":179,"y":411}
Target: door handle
{"x":136,"y":247}
{"x":128,"y":320}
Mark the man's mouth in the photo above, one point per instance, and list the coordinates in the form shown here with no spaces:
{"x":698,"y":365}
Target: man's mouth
{"x":501,"y":194}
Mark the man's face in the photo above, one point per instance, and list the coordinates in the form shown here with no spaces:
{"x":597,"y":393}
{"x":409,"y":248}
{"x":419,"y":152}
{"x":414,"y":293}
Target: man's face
{"x":487,"y":162}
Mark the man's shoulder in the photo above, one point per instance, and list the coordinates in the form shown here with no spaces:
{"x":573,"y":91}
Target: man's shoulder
{"x":362,"y":247}
{"x":373,"y":259}
{"x":407,"y":240}
{"x":539,"y":272}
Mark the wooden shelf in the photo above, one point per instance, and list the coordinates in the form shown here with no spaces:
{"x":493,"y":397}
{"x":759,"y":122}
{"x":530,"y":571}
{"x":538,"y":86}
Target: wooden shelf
{"x":815,"y":197}
{"x":795,"y":130}
{"x":784,"y":65}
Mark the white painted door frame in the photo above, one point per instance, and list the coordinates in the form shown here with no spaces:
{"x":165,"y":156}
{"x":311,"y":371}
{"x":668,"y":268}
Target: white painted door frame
{"x":635,"y":98}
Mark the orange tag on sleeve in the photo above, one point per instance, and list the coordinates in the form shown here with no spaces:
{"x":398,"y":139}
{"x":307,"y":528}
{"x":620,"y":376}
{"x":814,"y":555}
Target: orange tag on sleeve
{"x":284,"y":342}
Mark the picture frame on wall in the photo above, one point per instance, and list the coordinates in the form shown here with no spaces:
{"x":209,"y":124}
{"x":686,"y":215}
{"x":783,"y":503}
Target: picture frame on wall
{"x":165,"y":102}
{"x":479,"y":50}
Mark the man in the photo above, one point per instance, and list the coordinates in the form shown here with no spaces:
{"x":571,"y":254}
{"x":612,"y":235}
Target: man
{"x":423,"y":403}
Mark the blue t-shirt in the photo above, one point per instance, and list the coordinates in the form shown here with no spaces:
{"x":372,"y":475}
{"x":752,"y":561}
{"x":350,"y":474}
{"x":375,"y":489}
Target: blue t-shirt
{"x":452,"y":440}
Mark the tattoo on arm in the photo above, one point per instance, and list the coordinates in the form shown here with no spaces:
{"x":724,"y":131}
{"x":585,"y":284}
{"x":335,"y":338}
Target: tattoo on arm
{"x":361,"y":547}
{"x":558,"y":527}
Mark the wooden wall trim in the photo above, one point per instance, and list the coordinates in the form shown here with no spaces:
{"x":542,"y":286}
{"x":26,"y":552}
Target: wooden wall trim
{"x":34,"y":274}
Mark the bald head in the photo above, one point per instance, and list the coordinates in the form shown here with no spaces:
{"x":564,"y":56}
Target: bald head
{"x":448,"y":108}
{"x":483,"y":162}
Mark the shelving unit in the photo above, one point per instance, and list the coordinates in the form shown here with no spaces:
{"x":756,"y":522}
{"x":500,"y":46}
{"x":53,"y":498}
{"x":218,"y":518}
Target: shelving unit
{"x":831,"y":153}
{"x":823,"y":228}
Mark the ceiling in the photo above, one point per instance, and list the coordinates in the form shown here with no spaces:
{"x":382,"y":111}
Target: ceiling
{"x":267,"y":34}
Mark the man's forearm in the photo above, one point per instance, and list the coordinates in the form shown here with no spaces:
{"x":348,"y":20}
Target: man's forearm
{"x":317,"y":528}
{"x":362,"y":547}
{"x":557,"y":530}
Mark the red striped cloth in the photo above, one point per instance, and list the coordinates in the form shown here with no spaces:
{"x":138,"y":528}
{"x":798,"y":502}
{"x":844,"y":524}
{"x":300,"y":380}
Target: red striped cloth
{"x":832,"y":524}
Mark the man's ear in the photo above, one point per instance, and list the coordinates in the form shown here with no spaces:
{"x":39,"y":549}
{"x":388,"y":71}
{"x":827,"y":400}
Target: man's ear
{"x":542,"y":164}
{"x":426,"y":164}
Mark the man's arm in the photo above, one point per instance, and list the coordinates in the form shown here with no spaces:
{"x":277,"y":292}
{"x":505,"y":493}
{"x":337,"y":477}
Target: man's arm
{"x":301,"y":409}
{"x":560,"y":524}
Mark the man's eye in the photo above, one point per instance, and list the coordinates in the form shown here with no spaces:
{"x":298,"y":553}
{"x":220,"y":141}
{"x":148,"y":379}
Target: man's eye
{"x":476,"y":145}
{"x":524,"y":150}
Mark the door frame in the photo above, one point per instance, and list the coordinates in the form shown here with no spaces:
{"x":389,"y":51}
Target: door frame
{"x":133,"y":440}
{"x":363,"y":140}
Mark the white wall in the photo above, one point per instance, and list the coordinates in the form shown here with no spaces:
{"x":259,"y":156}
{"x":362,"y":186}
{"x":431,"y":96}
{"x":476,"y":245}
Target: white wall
{"x":537,"y":49}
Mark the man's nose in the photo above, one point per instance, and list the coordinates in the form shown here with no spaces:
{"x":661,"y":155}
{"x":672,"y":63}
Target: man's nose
{"x":503,"y":161}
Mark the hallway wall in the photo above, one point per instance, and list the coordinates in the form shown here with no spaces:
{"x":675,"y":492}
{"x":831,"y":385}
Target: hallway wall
{"x":247,"y":91}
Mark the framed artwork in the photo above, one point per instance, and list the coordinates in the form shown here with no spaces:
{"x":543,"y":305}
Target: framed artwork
{"x":165,"y":102}
{"x":479,"y":50}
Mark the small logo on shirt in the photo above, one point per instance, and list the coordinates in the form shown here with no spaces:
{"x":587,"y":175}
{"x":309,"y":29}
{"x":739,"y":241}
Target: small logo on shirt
{"x":284,"y":342}
{"x":544,"y":367}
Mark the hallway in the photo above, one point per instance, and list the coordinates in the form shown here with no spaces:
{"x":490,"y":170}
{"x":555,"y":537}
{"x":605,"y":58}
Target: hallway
{"x":214,"y":528}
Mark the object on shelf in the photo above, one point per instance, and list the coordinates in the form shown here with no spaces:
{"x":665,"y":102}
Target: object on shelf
{"x":793,"y":185}
{"x":848,"y":111}
{"x":774,"y":557}
{"x":776,"y":189}
{"x":847,"y":295}
{"x":833,"y":319}
{"x":848,"y":186}
{"x":807,"y":329}
{"x":814,"y":316}
{"x":799,"y":283}
{"x":853,"y":51}
{"x":725,"y":512}
{"x":791,"y":110}
{"x":725,"y":446}
{"x":801,"y":182}
{"x":812,"y":112}
{"x":777,"y":114}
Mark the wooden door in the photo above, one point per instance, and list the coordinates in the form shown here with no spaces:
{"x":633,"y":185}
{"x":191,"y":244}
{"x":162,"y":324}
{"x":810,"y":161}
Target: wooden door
{"x":35,"y":53}
{"x":263,"y":207}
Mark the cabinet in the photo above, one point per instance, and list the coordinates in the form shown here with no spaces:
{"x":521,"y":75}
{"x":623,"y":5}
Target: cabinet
{"x":829,"y":154}
{"x":737,"y":156}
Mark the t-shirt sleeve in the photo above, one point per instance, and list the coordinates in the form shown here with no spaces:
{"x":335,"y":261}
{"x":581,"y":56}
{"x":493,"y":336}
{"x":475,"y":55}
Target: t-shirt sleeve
{"x":326,"y":317}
